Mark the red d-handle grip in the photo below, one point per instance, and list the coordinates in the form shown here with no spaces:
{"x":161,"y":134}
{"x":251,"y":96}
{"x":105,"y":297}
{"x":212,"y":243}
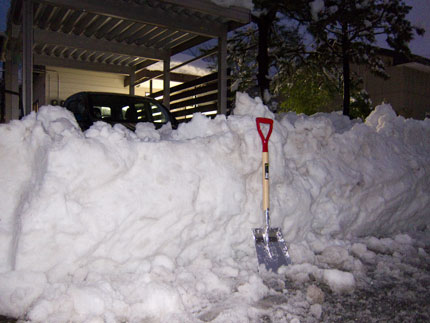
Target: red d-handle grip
{"x":264,"y":139}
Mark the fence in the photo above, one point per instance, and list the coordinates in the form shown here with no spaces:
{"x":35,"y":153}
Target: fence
{"x":199,"y":95}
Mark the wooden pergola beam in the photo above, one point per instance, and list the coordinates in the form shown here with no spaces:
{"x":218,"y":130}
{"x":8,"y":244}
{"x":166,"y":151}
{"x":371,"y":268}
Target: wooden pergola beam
{"x":162,"y":27}
{"x":69,"y":63}
{"x":147,"y":75}
{"x":83,"y":42}
{"x":236,"y":14}
{"x":140,"y":14}
{"x":155,"y":74}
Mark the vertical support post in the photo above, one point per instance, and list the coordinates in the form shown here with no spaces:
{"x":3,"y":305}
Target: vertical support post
{"x":150,"y":87}
{"x":11,"y":83}
{"x":132,"y":76}
{"x":166,"y":81}
{"x":27,"y":64}
{"x":222,"y":72}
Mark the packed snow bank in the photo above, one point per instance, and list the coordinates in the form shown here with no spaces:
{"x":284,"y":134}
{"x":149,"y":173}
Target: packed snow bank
{"x":116,"y":225}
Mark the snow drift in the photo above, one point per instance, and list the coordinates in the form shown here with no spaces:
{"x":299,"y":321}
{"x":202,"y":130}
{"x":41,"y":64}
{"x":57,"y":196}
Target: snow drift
{"x":116,"y":225}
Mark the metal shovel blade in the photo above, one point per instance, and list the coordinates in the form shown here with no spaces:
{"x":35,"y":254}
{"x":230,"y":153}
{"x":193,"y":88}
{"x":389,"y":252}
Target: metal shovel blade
{"x":271,"y":252}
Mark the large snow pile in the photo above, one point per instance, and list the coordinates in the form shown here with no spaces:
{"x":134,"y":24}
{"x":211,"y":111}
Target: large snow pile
{"x":111,"y":225}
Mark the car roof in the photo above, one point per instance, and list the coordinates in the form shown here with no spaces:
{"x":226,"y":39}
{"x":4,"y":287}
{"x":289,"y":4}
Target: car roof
{"x":112,"y":93}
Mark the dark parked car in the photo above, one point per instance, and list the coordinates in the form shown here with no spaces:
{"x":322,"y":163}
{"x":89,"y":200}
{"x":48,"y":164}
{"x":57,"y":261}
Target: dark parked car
{"x":113,"y":108}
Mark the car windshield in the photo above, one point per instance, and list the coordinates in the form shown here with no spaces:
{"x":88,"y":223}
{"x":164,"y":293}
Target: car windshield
{"x":117,"y":108}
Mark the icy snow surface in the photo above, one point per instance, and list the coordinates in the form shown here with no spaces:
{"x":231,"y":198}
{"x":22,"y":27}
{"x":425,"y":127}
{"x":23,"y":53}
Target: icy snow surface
{"x":111,"y":225}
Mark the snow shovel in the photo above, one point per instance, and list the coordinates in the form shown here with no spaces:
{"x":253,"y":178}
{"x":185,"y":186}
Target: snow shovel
{"x":269,"y":242}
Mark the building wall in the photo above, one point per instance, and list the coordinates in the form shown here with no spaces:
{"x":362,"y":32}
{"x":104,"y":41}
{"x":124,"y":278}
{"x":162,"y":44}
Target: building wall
{"x":63,"y":82}
{"x":407,"y":89}
{"x":417,"y":85}
{"x":55,"y":84}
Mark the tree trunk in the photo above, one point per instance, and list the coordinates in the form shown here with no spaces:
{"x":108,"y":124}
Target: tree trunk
{"x":346,"y":71}
{"x":263,"y":56}
{"x":264,"y":23}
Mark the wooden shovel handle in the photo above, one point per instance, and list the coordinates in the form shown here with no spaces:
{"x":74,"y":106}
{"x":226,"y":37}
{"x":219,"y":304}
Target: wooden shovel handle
{"x":265,"y":158}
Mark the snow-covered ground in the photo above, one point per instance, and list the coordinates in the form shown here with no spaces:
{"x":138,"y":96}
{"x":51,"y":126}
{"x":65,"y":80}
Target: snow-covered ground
{"x":156,"y":226}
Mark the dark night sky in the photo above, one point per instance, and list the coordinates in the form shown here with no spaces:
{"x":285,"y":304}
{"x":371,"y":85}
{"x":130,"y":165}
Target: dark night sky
{"x":419,"y":15}
{"x":4,"y":5}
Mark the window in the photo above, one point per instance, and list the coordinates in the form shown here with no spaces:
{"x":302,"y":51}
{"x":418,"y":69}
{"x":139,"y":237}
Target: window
{"x":128,"y":109}
{"x":142,"y":112}
{"x":157,"y":114}
{"x":124,"y":111}
{"x":102,"y":111}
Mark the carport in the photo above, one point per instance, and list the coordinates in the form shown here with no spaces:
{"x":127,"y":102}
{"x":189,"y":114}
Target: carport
{"x":119,"y":36}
